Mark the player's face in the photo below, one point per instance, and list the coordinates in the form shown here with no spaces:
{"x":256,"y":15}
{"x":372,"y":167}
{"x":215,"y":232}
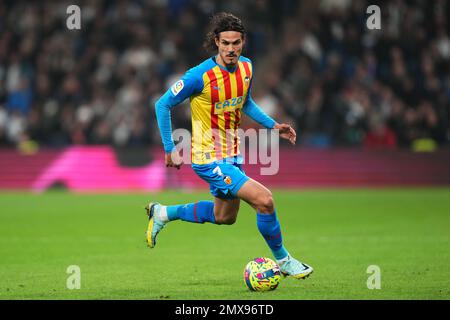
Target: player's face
{"x":230,"y":44}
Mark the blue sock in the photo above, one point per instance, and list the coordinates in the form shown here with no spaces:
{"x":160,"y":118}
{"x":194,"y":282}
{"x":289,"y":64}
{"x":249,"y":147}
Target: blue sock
{"x":198,"y":212}
{"x":269,"y":226}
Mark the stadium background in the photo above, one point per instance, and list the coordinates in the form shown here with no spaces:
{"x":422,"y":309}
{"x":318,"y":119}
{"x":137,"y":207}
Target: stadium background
{"x":371,"y":108}
{"x":317,"y":66}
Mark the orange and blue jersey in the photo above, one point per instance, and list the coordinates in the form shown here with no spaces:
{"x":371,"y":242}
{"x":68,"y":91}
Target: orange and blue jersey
{"x":218,"y":96}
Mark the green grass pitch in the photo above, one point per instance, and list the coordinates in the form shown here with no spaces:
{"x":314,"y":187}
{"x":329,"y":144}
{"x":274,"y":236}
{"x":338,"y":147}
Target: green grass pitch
{"x":406,"y":232}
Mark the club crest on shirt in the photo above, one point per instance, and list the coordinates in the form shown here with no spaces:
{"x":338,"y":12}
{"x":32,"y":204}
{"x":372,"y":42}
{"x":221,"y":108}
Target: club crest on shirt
{"x":227,"y":180}
{"x":246,"y":79}
{"x":177,"y":87}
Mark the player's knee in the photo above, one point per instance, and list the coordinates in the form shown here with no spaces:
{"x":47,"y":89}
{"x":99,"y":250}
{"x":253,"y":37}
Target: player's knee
{"x":266,"y":204}
{"x":228,"y":220}
{"x":226,"y":215}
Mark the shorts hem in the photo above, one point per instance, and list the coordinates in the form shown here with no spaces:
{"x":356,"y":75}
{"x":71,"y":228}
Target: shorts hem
{"x":238,"y":186}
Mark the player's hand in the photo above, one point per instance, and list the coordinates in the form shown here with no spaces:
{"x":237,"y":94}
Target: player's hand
{"x":174,"y":159}
{"x":286,"y":132}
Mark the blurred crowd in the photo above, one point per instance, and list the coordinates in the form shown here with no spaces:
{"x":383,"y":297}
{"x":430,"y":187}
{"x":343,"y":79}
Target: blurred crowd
{"x":316,"y":66}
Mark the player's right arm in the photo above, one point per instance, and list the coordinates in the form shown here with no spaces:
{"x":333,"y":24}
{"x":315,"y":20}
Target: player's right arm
{"x":178,"y":92}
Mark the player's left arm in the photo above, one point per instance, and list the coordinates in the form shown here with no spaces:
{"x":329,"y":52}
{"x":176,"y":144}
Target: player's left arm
{"x":254,"y":111}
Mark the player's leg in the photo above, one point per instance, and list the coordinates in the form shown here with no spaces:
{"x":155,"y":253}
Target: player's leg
{"x":260,"y":198}
{"x":159,"y":215}
{"x":223,"y":179}
{"x":196,"y":212}
{"x":221,"y":211}
{"x":226,"y":210}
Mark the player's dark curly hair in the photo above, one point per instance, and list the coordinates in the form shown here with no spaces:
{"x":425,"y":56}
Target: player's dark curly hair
{"x":220,"y":22}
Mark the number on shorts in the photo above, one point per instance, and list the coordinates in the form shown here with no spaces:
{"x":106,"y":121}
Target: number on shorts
{"x":218,"y":171}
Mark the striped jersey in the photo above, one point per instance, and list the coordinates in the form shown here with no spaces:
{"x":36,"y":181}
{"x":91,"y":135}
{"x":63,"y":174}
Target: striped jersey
{"x":217,"y":97}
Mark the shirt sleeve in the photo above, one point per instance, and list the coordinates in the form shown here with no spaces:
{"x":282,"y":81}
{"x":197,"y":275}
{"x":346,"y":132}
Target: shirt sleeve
{"x":188,"y":85}
{"x":252,"y":110}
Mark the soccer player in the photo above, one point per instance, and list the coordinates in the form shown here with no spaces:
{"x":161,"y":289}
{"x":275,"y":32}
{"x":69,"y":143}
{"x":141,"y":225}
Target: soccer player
{"x":219,"y":90}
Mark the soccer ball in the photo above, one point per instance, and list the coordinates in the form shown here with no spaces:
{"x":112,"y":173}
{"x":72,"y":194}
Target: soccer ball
{"x":262,"y":274}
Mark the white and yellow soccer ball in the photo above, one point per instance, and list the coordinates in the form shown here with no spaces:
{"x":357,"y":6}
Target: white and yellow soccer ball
{"x":262,"y":274}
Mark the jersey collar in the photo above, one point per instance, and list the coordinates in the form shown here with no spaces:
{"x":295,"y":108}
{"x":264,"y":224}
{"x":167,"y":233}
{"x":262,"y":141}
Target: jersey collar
{"x":231,"y":70}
